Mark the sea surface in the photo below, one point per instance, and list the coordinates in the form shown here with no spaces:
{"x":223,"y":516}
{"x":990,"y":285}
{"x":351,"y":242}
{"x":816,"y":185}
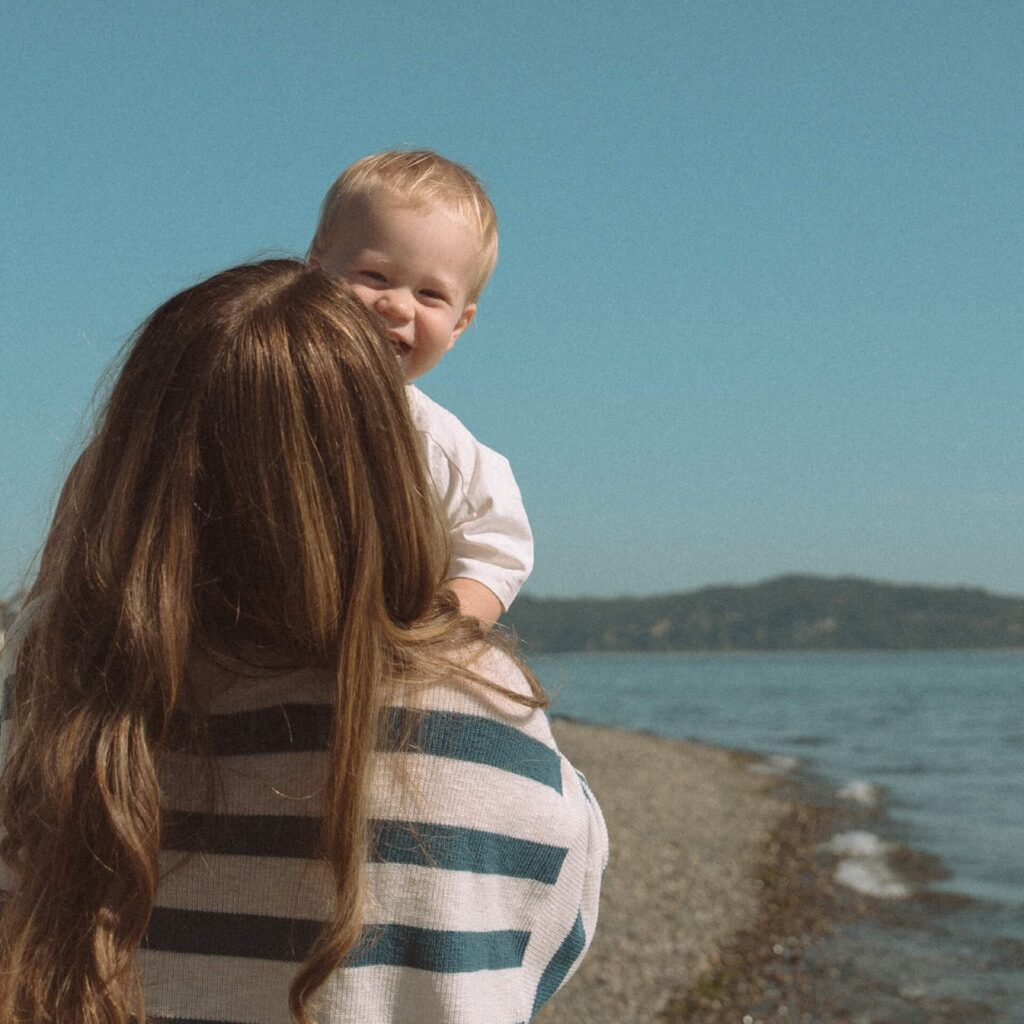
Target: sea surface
{"x":925,"y":750}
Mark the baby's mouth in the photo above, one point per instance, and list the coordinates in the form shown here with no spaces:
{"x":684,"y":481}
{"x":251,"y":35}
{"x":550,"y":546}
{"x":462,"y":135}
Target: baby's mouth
{"x":403,"y":348}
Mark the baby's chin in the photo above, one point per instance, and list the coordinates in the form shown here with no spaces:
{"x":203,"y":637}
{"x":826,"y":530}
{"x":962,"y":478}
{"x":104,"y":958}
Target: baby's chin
{"x":403,"y":353}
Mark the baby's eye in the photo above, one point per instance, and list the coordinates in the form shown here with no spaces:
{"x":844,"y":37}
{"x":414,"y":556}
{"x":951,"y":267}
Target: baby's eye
{"x":434,"y":296}
{"x":372,"y":275}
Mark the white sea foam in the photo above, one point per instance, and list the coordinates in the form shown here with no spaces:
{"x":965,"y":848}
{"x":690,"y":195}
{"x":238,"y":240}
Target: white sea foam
{"x":859,"y":791}
{"x":776,"y":764}
{"x":857,"y":844}
{"x":871,"y":877}
{"x":863,"y":866}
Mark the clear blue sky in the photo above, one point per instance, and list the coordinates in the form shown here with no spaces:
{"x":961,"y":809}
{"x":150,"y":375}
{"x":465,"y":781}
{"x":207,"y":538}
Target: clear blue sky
{"x":760,"y":303}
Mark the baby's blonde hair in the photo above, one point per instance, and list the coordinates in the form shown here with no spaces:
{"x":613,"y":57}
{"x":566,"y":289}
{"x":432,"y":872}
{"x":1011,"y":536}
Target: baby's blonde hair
{"x":417,"y":178}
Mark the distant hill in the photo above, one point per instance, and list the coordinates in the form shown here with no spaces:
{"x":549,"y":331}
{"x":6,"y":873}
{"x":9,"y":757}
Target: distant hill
{"x":801,"y":613}
{"x":788,"y":613}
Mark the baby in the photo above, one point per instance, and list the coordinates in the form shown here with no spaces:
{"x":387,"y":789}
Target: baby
{"x":416,"y":238}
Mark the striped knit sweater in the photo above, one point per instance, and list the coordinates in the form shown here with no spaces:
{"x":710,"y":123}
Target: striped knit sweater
{"x":483,"y":882}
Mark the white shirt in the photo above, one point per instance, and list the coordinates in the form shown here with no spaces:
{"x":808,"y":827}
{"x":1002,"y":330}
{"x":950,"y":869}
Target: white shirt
{"x":491,"y":538}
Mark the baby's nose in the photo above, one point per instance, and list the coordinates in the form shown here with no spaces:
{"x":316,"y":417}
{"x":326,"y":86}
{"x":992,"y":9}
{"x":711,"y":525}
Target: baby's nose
{"x":394,"y":305}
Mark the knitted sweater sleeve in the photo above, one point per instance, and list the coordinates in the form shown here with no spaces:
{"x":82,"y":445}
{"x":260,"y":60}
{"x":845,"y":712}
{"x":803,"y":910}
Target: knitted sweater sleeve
{"x":514,"y":848}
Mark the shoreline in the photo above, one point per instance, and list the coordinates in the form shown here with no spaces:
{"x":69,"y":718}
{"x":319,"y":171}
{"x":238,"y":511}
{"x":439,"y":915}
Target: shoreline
{"x":762,"y":973}
{"x":720,"y":903}
{"x":689,"y":825}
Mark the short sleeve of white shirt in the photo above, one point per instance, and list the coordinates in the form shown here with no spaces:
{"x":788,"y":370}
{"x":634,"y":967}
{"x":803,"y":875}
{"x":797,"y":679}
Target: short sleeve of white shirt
{"x":490,"y":534}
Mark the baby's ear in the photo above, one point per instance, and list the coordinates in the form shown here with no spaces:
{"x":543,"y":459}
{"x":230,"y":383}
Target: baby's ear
{"x":464,"y":321}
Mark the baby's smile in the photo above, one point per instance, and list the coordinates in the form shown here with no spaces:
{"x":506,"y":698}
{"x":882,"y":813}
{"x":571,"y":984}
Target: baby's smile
{"x":402,"y":347}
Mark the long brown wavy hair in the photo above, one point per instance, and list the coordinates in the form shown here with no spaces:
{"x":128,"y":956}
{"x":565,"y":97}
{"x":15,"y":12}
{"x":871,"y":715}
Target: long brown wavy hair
{"x":254,"y":483}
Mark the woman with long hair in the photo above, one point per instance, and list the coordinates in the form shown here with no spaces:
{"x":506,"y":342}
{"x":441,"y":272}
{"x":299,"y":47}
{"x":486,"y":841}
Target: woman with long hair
{"x":257,"y":768}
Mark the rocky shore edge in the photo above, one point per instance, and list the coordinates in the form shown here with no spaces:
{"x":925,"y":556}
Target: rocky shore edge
{"x":721,"y":903}
{"x":760,"y":975}
{"x":714,"y":885}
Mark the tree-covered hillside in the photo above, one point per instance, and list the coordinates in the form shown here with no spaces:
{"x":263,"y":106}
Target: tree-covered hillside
{"x":786,"y":613}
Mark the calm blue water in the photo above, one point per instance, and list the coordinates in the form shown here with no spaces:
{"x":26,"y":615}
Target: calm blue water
{"x":941,"y":735}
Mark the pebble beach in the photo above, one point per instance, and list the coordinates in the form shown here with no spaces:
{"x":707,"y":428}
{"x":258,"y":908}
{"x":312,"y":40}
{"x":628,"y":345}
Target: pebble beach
{"x":710,"y":889}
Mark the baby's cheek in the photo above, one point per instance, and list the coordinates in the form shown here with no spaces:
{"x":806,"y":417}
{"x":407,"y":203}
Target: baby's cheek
{"x":362,"y":293}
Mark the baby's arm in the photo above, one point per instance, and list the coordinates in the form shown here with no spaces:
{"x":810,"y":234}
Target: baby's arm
{"x":476,"y":600}
{"x":491,"y":542}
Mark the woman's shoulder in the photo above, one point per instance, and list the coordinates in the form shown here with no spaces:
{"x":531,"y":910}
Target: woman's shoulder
{"x":485,"y":681}
{"x":498,"y":666}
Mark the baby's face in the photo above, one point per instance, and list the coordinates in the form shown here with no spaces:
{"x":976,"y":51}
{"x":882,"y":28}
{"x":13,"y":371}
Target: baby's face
{"x":415,"y":268}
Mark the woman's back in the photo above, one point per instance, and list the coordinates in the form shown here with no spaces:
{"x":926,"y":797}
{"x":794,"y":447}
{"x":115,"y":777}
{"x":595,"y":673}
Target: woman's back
{"x":484,"y":872}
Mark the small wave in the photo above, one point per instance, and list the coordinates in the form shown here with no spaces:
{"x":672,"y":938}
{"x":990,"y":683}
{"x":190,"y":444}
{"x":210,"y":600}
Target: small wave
{"x":857,"y":844}
{"x":871,"y":878}
{"x":863,"y":865}
{"x":776,"y":764}
{"x":866,"y":794}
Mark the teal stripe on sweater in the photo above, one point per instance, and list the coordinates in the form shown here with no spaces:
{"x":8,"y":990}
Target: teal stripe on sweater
{"x":561,"y":963}
{"x":475,"y":739}
{"x":584,"y":786}
{"x":444,"y":952}
{"x":423,"y":843}
{"x":290,"y":728}
{"x":261,"y":937}
{"x":433,"y":845}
